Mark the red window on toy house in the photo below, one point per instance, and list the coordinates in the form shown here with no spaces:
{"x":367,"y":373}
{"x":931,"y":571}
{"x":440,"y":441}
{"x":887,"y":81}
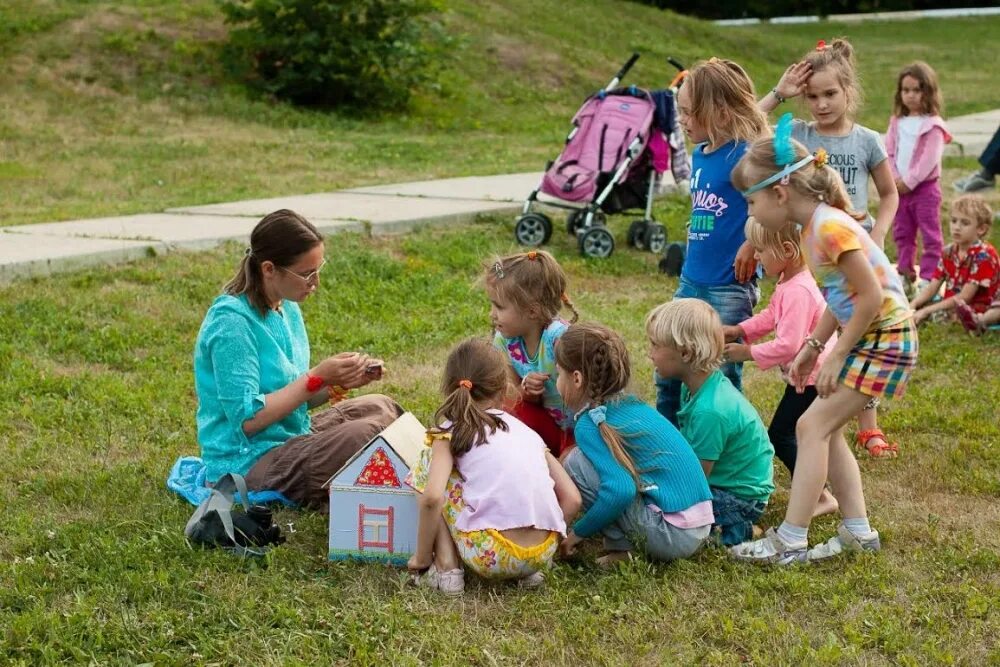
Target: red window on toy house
{"x":375,"y":528}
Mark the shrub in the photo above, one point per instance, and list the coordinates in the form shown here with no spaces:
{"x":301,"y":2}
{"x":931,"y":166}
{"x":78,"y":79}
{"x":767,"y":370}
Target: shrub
{"x":362,"y":53}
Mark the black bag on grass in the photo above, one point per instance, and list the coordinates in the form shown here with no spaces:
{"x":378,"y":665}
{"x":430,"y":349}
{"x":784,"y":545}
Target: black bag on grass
{"x":246,"y":533}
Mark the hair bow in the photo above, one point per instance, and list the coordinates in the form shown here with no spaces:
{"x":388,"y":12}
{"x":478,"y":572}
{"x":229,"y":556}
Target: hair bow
{"x":498,"y":270}
{"x":820,"y":45}
{"x":599,"y":414}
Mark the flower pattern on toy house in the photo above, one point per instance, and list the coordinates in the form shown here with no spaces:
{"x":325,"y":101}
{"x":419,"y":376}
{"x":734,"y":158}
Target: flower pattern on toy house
{"x":373,"y":516}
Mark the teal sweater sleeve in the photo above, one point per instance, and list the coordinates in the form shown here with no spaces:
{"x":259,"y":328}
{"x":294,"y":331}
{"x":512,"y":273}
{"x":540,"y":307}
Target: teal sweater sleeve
{"x":617,"y":489}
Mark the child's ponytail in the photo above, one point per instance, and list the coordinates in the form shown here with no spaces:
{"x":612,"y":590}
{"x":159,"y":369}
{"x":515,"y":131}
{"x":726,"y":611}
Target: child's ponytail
{"x":475,"y":377}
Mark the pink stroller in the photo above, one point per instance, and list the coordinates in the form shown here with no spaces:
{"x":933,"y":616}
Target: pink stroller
{"x":610,"y":164}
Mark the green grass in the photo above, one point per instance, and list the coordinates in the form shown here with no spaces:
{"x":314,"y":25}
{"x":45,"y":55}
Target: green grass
{"x":96,"y":401}
{"x":108,"y":108}
{"x":113,"y":108}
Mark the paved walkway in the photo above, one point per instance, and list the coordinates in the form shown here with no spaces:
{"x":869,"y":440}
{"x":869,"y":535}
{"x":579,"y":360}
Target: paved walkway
{"x":43,"y":249}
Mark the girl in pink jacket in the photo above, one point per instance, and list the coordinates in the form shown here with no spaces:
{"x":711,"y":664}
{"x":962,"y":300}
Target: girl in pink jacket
{"x":791,"y":314}
{"x":915,"y":143}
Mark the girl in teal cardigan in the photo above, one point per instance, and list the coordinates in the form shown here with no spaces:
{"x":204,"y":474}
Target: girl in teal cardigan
{"x":642,"y":486}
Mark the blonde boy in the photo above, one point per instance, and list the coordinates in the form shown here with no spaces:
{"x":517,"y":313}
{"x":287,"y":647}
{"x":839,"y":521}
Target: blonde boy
{"x":720,"y":424}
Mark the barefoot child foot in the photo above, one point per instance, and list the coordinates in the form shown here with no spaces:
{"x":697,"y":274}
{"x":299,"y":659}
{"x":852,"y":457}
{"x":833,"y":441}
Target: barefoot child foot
{"x":612,"y":558}
{"x":826,"y":504}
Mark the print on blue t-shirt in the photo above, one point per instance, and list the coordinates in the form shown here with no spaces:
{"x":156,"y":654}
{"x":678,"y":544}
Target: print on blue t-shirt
{"x":718,"y":214}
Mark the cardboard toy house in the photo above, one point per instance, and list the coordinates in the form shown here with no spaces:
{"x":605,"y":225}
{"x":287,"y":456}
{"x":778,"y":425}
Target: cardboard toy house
{"x":373,"y":513}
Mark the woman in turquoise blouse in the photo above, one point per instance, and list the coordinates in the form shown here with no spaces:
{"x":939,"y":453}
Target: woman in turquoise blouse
{"x":254,"y":381}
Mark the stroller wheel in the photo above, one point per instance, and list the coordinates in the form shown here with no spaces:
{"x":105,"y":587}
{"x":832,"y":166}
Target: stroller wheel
{"x":533,"y":229}
{"x":597,"y":242}
{"x":574,"y":221}
{"x":636,"y":234}
{"x":655,"y":238}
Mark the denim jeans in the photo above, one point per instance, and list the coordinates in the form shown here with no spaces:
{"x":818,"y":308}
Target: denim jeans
{"x":735,"y":516}
{"x":639,"y":527}
{"x":734,"y":303}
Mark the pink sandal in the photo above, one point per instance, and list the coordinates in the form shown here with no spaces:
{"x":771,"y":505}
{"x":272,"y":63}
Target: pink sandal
{"x":967,"y":316}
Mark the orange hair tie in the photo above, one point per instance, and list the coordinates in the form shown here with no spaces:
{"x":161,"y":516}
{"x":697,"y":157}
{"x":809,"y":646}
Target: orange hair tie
{"x":532,"y":255}
{"x":465,"y":384}
{"x":820,"y":45}
{"x":565,"y":299}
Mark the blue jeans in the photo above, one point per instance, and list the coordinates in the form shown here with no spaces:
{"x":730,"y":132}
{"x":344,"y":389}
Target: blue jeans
{"x":734,"y":303}
{"x":735,"y":516}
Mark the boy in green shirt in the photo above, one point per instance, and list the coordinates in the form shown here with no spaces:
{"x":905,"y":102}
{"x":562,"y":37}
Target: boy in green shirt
{"x":722,"y":427}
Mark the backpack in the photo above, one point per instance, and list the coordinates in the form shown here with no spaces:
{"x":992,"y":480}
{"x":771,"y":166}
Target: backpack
{"x":246,"y":533}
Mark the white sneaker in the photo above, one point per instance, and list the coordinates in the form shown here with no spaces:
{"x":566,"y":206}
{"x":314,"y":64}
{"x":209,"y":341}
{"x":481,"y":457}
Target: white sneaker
{"x":769,"y":549}
{"x":534,"y":580}
{"x":449,"y":582}
{"x":845,"y":540}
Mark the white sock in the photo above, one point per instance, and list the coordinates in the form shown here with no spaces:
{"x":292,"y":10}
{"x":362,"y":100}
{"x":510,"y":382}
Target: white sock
{"x":859,"y":527}
{"x":793,"y":534}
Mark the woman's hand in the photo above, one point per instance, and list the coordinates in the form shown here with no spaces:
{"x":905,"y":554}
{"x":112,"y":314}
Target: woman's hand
{"x":829,"y":373}
{"x":533,"y":385}
{"x":745,"y":265}
{"x":568,"y":546}
{"x":737,"y":352}
{"x":347,"y":370}
{"x":802,"y":367}
{"x":793,"y":81}
{"x":732,"y":332}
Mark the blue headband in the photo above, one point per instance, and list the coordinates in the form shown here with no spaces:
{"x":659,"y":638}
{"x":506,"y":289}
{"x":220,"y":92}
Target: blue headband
{"x":780,"y":176}
{"x":784,"y":154}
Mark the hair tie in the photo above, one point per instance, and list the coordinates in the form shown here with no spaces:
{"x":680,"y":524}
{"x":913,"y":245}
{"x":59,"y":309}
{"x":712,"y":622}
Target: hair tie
{"x":820,"y":45}
{"x":248,"y":251}
{"x":820,"y":158}
{"x":465,"y":384}
{"x":599,"y":414}
{"x":532,"y":255}
{"x":565,"y":299}
{"x":498,"y":270}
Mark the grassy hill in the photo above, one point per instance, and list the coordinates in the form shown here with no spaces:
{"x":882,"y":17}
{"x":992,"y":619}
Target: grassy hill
{"x":111,"y":108}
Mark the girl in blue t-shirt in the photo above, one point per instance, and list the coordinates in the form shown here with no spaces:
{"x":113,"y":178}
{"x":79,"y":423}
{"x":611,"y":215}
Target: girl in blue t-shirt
{"x":718,"y":111}
{"x":526,"y":293}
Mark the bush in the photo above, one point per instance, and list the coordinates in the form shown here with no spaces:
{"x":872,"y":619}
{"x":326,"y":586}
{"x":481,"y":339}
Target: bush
{"x":361,"y":53}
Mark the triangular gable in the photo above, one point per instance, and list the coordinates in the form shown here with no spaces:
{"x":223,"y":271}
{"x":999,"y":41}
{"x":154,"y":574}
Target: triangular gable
{"x":379,"y":471}
{"x":404,"y":438}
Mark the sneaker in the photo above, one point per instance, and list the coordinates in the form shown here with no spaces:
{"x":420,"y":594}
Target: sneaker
{"x":967,"y":316}
{"x":974,"y":183}
{"x":673,"y":260}
{"x":535,"y":580}
{"x":845,"y":541}
{"x":449,"y":582}
{"x":770,"y":549}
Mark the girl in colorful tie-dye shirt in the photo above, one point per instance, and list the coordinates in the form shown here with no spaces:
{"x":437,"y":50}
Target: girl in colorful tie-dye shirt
{"x":873,"y":356}
{"x":526,"y":292}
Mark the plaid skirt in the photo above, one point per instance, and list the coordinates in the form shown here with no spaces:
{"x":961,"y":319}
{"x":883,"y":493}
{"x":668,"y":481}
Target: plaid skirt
{"x":880,"y":363}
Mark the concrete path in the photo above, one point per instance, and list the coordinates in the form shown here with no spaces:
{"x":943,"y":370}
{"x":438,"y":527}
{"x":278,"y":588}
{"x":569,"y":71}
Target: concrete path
{"x":47,"y":248}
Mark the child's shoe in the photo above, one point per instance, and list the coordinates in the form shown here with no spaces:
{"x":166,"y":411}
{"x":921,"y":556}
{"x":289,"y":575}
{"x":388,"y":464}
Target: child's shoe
{"x":534,"y":580}
{"x":845,"y":541}
{"x":770,"y":549}
{"x":449,"y":582}
{"x":967,"y":316}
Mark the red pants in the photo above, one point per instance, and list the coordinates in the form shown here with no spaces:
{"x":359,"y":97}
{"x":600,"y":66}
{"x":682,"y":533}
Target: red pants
{"x":540,"y":421}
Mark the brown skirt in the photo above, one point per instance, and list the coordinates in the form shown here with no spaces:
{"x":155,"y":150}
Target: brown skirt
{"x":300,"y":467}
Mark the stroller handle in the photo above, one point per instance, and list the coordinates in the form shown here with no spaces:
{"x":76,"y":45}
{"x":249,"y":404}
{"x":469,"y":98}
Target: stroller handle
{"x":676,"y":63}
{"x":621,"y":73}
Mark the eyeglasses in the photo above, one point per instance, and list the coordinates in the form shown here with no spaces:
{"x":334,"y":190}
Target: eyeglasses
{"x":311,"y":277}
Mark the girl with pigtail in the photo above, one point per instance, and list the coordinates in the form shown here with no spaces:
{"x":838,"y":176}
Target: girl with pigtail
{"x":641,"y":484}
{"x":874,"y":353}
{"x":527,"y":291}
{"x":491,"y":496}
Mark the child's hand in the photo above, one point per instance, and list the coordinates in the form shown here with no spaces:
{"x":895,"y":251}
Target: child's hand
{"x":901,"y":187}
{"x":920,"y":316}
{"x":533,"y":384}
{"x":745,"y":265}
{"x":568,"y":546}
{"x":737,"y":352}
{"x":732,"y":332}
{"x":829,"y":374}
{"x":802,"y":366}
{"x":794,"y":79}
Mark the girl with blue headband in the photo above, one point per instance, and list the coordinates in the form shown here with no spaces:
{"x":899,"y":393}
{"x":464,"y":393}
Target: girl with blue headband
{"x":874,"y":354}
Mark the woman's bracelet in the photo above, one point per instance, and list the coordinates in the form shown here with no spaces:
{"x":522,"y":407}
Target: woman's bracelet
{"x":815,"y":343}
{"x":336,"y":394}
{"x":777,"y":96}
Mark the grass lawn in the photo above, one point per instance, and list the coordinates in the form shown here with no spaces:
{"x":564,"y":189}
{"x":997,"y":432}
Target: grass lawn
{"x":96,"y":390}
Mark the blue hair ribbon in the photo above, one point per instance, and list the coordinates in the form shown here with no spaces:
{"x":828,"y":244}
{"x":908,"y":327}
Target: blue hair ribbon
{"x":599,"y":414}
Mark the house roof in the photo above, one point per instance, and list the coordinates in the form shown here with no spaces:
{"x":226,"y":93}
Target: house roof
{"x":405,"y":437}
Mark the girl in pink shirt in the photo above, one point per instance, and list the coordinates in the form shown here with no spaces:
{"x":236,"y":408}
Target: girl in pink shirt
{"x":491,"y":494}
{"x":791,"y":314}
{"x":915,"y":143}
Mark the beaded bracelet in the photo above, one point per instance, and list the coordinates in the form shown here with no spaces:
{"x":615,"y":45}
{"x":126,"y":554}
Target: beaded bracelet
{"x":777,"y":96}
{"x":815,"y":343}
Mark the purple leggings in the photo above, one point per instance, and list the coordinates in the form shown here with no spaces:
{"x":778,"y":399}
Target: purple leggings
{"x":919,"y":210}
